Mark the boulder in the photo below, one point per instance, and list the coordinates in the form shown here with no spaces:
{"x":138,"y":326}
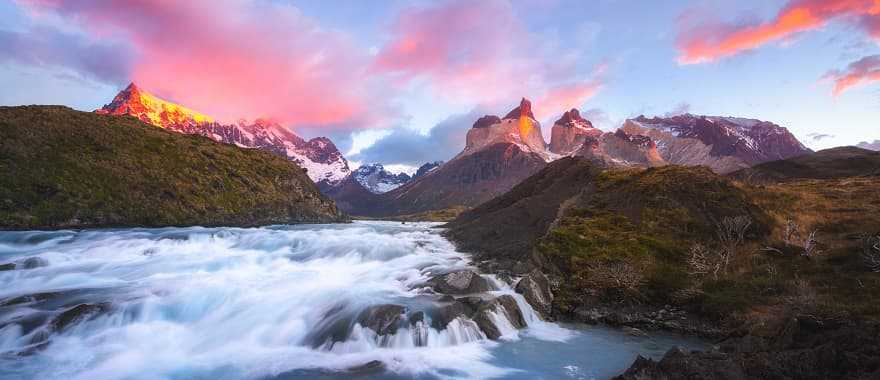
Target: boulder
{"x":535,"y":288}
{"x":446,"y":313}
{"x":504,"y":305}
{"x":383,"y":319}
{"x":462,"y":281}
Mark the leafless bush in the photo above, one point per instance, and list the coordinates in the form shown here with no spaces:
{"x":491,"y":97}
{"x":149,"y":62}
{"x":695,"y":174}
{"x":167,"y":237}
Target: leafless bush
{"x":704,"y":262}
{"x":811,"y":245}
{"x":792,"y":232}
{"x":871,"y":252}
{"x":731,"y":234}
{"x":616,"y":275}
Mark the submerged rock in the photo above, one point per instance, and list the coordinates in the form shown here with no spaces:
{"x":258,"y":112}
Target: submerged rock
{"x":78,"y":313}
{"x":34,"y":262}
{"x":535,"y":288}
{"x":368,"y":367}
{"x":460,"y":282}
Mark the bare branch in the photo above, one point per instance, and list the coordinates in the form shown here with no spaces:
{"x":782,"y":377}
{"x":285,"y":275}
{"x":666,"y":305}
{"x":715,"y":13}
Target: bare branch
{"x":811,"y":245}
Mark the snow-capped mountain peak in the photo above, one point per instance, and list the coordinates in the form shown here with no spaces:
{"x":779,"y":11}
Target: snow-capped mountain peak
{"x":324,"y":163}
{"x":377,"y":180}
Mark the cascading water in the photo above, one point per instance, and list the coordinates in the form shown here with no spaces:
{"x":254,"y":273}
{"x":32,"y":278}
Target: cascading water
{"x":275,"y":302}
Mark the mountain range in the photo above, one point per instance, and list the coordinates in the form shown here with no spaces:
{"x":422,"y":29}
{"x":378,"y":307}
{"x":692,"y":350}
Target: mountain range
{"x":319,"y":156}
{"x":500,"y":152}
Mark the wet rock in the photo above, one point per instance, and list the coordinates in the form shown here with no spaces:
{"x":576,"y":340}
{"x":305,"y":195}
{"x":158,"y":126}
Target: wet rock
{"x":383,"y":319}
{"x":34,"y":262}
{"x":446,"y":313}
{"x":535,"y":288}
{"x":368,"y":367}
{"x":8,"y":266}
{"x":334,"y":326}
{"x":29,"y":298}
{"x":78,"y":313}
{"x":505,"y":307}
{"x":460,"y":282}
{"x":679,"y":364}
{"x":511,"y":308}
{"x":416,"y":317}
{"x":632,"y":331}
{"x":805,"y":348}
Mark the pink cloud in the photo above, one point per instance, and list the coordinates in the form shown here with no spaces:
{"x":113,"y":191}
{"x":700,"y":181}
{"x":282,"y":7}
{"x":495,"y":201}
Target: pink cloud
{"x":479,"y":52}
{"x":858,"y":73}
{"x":710,"y":42}
{"x":234,"y":58}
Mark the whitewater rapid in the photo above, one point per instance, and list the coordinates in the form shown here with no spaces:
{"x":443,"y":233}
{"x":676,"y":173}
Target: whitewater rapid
{"x":230,"y":303}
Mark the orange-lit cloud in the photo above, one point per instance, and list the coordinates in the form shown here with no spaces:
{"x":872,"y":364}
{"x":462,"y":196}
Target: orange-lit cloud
{"x":710,"y":42}
{"x":861,"y":72}
{"x":480,"y":52}
{"x":234,"y":58}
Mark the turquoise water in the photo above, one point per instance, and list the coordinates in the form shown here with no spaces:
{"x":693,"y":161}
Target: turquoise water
{"x":233,"y":303}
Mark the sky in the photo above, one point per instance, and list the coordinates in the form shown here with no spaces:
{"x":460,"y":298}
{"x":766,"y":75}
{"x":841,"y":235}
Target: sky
{"x":400,"y":82}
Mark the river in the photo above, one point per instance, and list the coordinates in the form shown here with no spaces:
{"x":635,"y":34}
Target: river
{"x":256,"y":303}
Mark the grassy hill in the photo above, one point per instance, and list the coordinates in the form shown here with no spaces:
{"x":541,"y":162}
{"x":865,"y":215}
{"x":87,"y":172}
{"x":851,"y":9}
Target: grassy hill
{"x":841,"y":162}
{"x":630,"y":237}
{"x":61,"y":168}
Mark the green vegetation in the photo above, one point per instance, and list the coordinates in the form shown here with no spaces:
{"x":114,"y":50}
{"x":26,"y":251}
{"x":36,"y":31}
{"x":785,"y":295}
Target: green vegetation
{"x":633,"y":240}
{"x":61,"y":168}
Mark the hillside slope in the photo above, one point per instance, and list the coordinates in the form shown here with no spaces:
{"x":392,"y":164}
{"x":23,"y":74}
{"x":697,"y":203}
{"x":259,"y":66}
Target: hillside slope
{"x":841,"y":162}
{"x":61,"y":168}
{"x":760,"y":267}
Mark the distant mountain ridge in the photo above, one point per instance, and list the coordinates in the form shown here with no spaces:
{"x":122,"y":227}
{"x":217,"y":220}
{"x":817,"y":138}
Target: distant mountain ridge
{"x":725,"y":144}
{"x":377,"y":180}
{"x":875,"y":146}
{"x":319,"y":156}
{"x":501,"y":152}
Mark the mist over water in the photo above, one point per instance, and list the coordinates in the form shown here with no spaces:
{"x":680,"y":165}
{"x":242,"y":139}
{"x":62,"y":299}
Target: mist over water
{"x":229,"y":303}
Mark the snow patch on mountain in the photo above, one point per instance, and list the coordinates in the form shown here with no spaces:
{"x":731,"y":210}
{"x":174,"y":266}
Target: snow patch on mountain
{"x":377,"y":180}
{"x":324,"y":163}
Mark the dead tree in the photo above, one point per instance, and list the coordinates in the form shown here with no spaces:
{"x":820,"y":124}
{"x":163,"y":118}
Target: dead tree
{"x":731,"y":234}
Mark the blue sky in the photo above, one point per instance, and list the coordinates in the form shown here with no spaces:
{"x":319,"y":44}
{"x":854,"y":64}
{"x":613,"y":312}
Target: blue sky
{"x":622,"y":57}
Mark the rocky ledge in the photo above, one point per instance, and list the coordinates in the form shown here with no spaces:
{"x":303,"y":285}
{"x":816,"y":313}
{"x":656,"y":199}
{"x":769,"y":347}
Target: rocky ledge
{"x":804,"y":348}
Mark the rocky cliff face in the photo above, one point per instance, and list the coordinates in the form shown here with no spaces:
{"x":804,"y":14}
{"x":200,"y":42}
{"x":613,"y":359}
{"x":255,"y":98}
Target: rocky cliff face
{"x":71,"y":169}
{"x":518,"y":127}
{"x":725,"y":144}
{"x":620,"y":149}
{"x":569,"y":133}
{"x":319,"y":156}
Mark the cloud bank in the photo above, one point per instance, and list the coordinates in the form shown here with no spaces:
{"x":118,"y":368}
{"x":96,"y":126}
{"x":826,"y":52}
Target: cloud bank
{"x":700,"y":42}
{"x":861,"y":72}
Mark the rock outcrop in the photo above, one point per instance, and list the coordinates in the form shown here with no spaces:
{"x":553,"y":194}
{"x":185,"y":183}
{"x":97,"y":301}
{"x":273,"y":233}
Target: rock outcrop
{"x":570,"y":132}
